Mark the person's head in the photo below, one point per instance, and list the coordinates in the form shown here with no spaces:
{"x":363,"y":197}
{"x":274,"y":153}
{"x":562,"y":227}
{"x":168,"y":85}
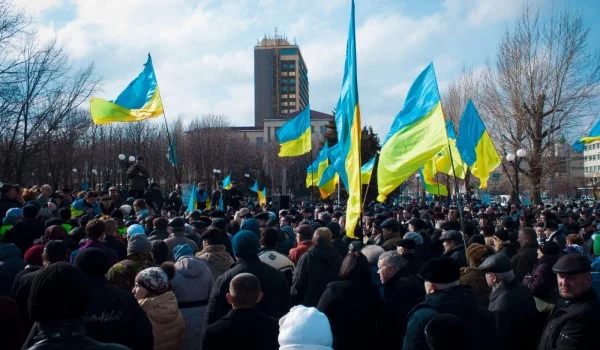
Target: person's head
{"x":182,"y":250}
{"x":151,"y":282}
{"x":94,"y":262}
{"x":160,"y":223}
{"x":406,"y":246}
{"x":212,"y":236}
{"x":46,"y":190}
{"x":30,"y":211}
{"x":139,"y":205}
{"x":59,"y":292}
{"x":201,"y":185}
{"x":573,"y":275}
{"x":113,"y":192}
{"x":8,"y":191}
{"x":55,"y":251}
{"x":322,"y":235}
{"x":305,"y":328}
{"x":476,"y":254}
{"x":549,"y":227}
{"x":325,"y":217}
{"x":527,"y":236}
{"x":355,"y":267}
{"x":244,"y":291}
{"x":95,"y":229}
{"x":91,"y":197}
{"x":110,"y":227}
{"x":245,"y":245}
{"x":574,"y":239}
{"x":497,"y":269}
{"x":269,"y":237}
{"x":388,"y":265}
{"x":451,"y":239}
{"x":138,"y":244}
{"x":390,"y":227}
{"x":160,"y":251}
{"x":220,"y":185}
{"x":303,"y":233}
{"x":439,"y":274}
{"x":284,"y":221}
{"x":13,"y":215}
{"x":177,"y":225}
{"x":139,"y":160}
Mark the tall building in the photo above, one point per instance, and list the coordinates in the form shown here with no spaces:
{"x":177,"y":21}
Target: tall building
{"x":280,"y":79}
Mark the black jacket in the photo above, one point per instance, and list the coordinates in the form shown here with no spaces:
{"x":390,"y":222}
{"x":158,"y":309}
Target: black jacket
{"x":276,"y":299}
{"x":508,"y":250}
{"x":24,"y":233}
{"x":340,"y":246}
{"x":573,"y":324}
{"x":21,"y":290}
{"x":458,"y":253}
{"x":516,"y":316}
{"x":317,"y":267}
{"x":115,"y":244}
{"x":413,"y":263}
{"x":6,"y":204}
{"x":68,"y":335}
{"x":461,"y":302}
{"x":524,"y":260}
{"x":242,"y":329}
{"x":400,"y":294}
{"x":351,"y":305}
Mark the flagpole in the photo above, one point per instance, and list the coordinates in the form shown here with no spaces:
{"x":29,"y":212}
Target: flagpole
{"x":177,"y":180}
{"x":370,"y":178}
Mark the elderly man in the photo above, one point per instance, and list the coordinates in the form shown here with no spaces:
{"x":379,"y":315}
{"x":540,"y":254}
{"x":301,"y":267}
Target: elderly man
{"x":512,"y":304}
{"x":454,"y":247}
{"x":401,"y":292}
{"x":391,"y":234}
{"x":573,"y":322}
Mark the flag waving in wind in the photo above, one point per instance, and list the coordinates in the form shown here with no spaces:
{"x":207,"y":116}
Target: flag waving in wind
{"x":227,"y":182}
{"x":262,"y":196}
{"x":316,"y":169}
{"x":475,"y":145}
{"x":418,"y":134}
{"x":366,"y":170}
{"x":295,"y":135}
{"x":347,"y":122}
{"x":172,"y":154}
{"x":255,"y":187}
{"x":594,"y":134}
{"x":428,"y":177}
{"x":452,"y":165}
{"x":139,"y":101}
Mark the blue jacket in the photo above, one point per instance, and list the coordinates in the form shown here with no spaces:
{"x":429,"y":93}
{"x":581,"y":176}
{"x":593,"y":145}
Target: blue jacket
{"x":81,"y":204}
{"x":11,"y":263}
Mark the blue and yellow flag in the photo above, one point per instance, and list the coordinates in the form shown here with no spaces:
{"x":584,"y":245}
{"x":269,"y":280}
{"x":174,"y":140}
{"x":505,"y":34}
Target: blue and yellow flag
{"x":295,"y":135}
{"x":139,"y":101}
{"x":262,"y":196}
{"x":593,"y":135}
{"x":578,"y":146}
{"x":366,"y":170}
{"x":328,"y":181}
{"x":447,"y":164}
{"x":255,"y":187}
{"x":347,"y":122}
{"x":227,"y":182}
{"x":192,"y":204}
{"x":475,"y":145}
{"x":418,"y":134}
{"x":428,"y":178}
{"x":316,"y":169}
{"x":172,"y":154}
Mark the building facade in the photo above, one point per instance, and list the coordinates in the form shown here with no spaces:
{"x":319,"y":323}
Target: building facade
{"x":591,"y":160}
{"x":280,"y":79}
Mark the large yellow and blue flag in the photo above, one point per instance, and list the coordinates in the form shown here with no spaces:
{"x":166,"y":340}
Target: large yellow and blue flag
{"x":448,"y":164}
{"x":578,"y":146}
{"x":328,"y":181}
{"x":255,"y":187}
{"x":418,"y":134}
{"x":593,"y":135}
{"x":475,"y":145}
{"x":295,"y":135}
{"x":428,"y":178}
{"x":139,"y":101}
{"x":316,"y":169}
{"x":227,"y":182}
{"x":366,"y":170}
{"x":347,"y":122}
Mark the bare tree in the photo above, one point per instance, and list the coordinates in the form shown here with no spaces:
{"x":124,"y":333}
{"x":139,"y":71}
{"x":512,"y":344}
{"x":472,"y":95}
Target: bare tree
{"x":543,"y":83}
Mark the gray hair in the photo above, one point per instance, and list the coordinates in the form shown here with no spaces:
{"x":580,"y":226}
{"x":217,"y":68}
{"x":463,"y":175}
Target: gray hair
{"x":392,"y":259}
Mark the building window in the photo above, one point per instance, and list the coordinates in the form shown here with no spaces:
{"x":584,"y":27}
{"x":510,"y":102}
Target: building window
{"x":284,"y":111}
{"x":293,"y":103}
{"x":284,"y":74}
{"x":259,"y":141}
{"x":292,"y":74}
{"x":323,"y":129}
{"x":292,"y":95}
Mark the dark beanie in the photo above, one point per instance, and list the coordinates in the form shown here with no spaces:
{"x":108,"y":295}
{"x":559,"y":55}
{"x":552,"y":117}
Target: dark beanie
{"x":245,"y":243}
{"x":94,"y":262}
{"x":160,"y":251}
{"x":59,"y":292}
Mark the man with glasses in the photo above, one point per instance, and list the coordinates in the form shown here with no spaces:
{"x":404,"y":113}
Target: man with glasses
{"x":45,"y":195}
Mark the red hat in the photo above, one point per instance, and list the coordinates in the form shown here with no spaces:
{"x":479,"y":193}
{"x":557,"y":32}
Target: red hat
{"x":33,"y":255}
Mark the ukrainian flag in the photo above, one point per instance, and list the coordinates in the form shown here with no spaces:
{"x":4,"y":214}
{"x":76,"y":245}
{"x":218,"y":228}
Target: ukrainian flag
{"x":329,"y":179}
{"x":366,"y":170}
{"x":262,"y":196}
{"x":594,"y":134}
{"x":140,"y":100}
{"x":295,"y":135}
{"x":578,"y":146}
{"x":192,"y":204}
{"x":316,"y":169}
{"x":428,"y":178}
{"x":227,"y":182}
{"x":476,"y":146}
{"x":254,"y":187}
{"x":418,"y":134}
{"x":347,"y":122}
{"x":451,"y":165}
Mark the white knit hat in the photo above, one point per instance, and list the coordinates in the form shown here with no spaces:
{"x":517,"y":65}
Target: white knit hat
{"x":305,"y":328}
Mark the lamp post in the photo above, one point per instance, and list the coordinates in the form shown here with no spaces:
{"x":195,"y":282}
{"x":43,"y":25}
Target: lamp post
{"x":124,"y":161}
{"x":516,"y":159}
{"x":217,"y":173}
{"x":93,"y":179}
{"x":74,"y":173}
{"x":418,"y":177}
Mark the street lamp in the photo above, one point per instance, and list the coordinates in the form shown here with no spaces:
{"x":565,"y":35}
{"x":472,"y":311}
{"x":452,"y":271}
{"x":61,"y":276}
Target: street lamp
{"x":131,"y":159}
{"x":122,"y":157}
{"x":517,"y":159}
{"x":418,"y":177}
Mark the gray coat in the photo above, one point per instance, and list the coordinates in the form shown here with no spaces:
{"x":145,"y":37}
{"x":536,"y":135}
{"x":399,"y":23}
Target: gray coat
{"x":192,"y":286}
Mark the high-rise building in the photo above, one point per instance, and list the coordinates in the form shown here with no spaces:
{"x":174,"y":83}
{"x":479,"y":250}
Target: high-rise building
{"x":280,"y":79}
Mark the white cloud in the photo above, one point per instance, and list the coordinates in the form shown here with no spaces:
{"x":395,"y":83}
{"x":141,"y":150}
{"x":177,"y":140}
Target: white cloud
{"x":37,"y":7}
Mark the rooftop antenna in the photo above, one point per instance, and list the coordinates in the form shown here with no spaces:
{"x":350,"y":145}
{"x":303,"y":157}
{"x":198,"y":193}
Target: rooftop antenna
{"x":276,"y":33}
{"x":295,"y":41}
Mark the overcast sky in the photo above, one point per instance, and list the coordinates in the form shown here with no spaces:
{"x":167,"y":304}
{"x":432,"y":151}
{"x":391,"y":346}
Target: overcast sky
{"x":203,"y":50}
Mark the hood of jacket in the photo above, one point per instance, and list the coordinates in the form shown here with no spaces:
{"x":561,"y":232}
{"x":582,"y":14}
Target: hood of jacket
{"x":190,"y":266}
{"x":9,"y":250}
{"x":162,"y":308}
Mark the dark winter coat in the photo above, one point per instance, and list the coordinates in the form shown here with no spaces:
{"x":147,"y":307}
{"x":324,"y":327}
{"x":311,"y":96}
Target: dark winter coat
{"x":461,"y":302}
{"x":317,"y":267}
{"x":351,"y":305}
{"x":6,"y":204}
{"x":24,"y":233}
{"x":138,"y":177}
{"x":516,"y":316}
{"x":11,"y":327}
{"x":11,"y":263}
{"x":340,"y":246}
{"x":542,"y":282}
{"x":68,"y":335}
{"x":400,"y":294}
{"x":276,"y":299}
{"x":413,"y":263}
{"x":155,"y":197}
{"x":458,"y":253}
{"x":117,"y":245}
{"x":390,"y":242}
{"x":242,"y":329}
{"x":524,"y":261}
{"x":508,"y":250}
{"x":21,"y":290}
{"x":425,"y":251}
{"x":573,"y":324}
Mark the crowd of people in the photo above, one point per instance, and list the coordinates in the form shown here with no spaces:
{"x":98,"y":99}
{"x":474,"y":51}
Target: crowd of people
{"x":96,"y":270}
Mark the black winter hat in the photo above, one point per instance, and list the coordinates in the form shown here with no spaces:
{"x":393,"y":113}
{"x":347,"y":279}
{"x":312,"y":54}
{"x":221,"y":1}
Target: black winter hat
{"x":59,"y":292}
{"x":418,"y":224}
{"x":94,"y":262}
{"x":550,"y":248}
{"x":440,"y":270}
{"x":572,"y":264}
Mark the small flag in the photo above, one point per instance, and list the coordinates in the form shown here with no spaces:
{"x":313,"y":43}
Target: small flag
{"x":295,"y":135}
